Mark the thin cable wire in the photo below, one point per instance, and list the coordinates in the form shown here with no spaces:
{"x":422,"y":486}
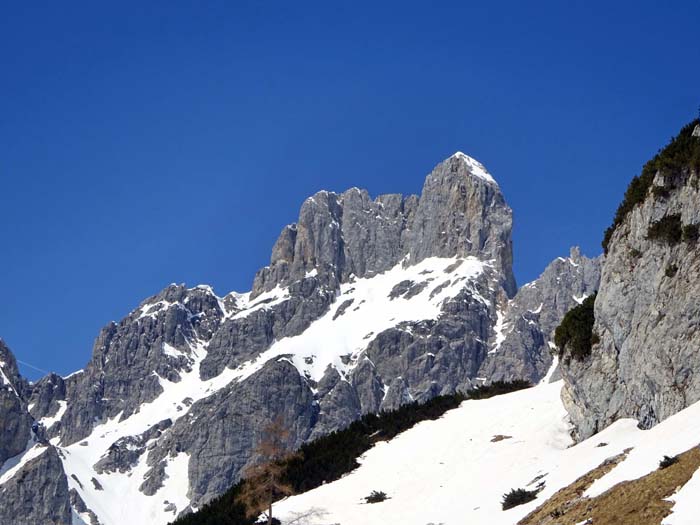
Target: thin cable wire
{"x":34,"y":367}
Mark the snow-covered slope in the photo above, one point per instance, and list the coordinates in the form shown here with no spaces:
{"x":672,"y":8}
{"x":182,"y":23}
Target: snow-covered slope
{"x":452,"y":471}
{"x":325,"y":343}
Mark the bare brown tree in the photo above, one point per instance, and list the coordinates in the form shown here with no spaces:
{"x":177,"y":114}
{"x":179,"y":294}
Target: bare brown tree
{"x":264,"y":479}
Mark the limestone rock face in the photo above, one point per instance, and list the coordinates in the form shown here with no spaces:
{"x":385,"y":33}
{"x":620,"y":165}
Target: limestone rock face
{"x":521,"y":348}
{"x":37,"y":493}
{"x":132,"y":357}
{"x":220,"y":432}
{"x":646,"y":365}
{"x":15,"y":421}
{"x":239,"y":339}
{"x":461,"y":211}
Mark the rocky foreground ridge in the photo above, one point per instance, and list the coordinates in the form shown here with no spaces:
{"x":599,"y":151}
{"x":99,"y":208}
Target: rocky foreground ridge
{"x":367,"y":304}
{"x":646,"y":361}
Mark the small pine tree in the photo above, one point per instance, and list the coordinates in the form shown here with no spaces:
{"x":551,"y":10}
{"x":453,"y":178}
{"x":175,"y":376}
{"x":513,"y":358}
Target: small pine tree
{"x":264,"y":479}
{"x":517,"y":497}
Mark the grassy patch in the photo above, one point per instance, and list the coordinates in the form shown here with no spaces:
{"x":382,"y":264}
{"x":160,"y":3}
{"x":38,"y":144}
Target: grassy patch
{"x":642,"y":501}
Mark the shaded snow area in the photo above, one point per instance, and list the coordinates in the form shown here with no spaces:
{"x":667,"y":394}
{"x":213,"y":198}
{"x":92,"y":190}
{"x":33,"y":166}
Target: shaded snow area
{"x":49,"y":421}
{"x":363,"y":306}
{"x":450,"y":471}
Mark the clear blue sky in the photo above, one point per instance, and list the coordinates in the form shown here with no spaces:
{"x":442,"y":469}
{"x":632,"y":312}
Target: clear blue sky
{"x":146,"y":145}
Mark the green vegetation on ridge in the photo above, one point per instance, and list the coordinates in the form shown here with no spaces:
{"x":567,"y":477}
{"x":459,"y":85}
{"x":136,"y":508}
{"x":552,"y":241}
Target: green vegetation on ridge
{"x":682,"y":153}
{"x":574,"y":336}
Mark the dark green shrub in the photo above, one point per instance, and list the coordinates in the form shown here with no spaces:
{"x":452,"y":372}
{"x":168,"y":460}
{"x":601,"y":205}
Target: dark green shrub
{"x":497,"y":388}
{"x":682,"y":153}
{"x":376,"y":497}
{"x":636,"y":193}
{"x":667,"y":461}
{"x":668,"y":229}
{"x":671,"y":270}
{"x":691,"y":232}
{"x":517,"y":497}
{"x":660,"y":192}
{"x":575,"y":333}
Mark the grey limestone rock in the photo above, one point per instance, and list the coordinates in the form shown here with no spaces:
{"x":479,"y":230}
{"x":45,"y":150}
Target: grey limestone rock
{"x":522,"y":350}
{"x":240,"y":339}
{"x":129,"y":358}
{"x":461,"y":211}
{"x":339,"y":404}
{"x":38,"y":493}
{"x":78,"y":504}
{"x":220,"y":432}
{"x":15,"y":421}
{"x":646,"y":365}
{"x":124,"y":453}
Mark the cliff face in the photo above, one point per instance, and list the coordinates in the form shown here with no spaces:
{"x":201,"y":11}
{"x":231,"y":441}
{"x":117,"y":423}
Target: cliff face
{"x":33,"y":485}
{"x":646,"y":364}
{"x":522,"y":347}
{"x":367,"y":304}
{"x":461,"y":211}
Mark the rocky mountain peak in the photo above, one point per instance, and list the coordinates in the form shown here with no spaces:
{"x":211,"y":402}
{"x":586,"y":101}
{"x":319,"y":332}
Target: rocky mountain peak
{"x":14,"y":420}
{"x":8,"y":366}
{"x":474,"y":167}
{"x":460,"y":212}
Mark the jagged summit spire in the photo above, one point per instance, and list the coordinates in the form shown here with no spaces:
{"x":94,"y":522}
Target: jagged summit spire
{"x":474,"y":167}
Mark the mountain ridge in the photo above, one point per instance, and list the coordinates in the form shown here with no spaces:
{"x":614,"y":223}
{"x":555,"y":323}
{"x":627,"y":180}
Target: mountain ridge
{"x":168,"y":408}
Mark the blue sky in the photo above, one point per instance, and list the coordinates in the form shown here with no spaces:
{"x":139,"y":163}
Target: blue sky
{"x":146,"y":145}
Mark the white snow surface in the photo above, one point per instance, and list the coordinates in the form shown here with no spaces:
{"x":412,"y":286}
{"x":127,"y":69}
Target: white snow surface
{"x":685,"y":510}
{"x":118,"y":487}
{"x":580,"y":299}
{"x":50,"y":421}
{"x":476,"y":168}
{"x":499,"y":328}
{"x":448,"y":471}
